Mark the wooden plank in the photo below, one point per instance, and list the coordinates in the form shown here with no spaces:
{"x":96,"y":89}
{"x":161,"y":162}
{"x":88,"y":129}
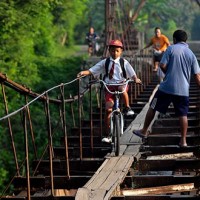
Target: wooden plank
{"x":122,"y":148}
{"x":112,"y":178}
{"x":132,"y":150}
{"x":99,"y":180}
{"x":122,"y":163}
{"x":85,"y":194}
{"x":96,"y":173}
{"x":111,"y":163}
{"x":171,"y":156}
{"x":103,"y":174}
{"x":116,"y":186}
{"x":126,"y":137}
{"x":82,"y":193}
{"x":159,"y":190}
{"x":108,"y":177}
{"x":42,"y":193}
{"x":118,"y":173}
{"x":64,"y":192}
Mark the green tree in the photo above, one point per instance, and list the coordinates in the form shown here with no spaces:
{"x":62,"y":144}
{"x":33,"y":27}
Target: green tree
{"x":66,"y":16}
{"x":195,"y":28}
{"x":168,"y":15}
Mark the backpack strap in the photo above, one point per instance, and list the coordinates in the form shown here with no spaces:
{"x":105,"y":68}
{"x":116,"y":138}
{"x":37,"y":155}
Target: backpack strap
{"x":121,"y":60}
{"x":106,"y":65}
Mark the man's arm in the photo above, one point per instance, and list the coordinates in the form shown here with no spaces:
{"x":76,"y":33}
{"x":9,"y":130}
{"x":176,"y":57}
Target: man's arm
{"x":167,"y":41}
{"x":197,"y":78}
{"x":163,"y":67}
{"x":148,"y":45}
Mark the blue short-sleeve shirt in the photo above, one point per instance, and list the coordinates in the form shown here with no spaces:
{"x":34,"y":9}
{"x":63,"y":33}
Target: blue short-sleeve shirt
{"x":181,"y":64}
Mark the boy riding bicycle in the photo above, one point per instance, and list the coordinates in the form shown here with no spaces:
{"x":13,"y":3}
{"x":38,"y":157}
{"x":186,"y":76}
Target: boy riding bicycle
{"x":115,"y":74}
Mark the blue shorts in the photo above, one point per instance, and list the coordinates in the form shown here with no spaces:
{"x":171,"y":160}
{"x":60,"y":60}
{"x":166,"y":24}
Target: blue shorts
{"x":161,"y":102}
{"x":157,"y":58}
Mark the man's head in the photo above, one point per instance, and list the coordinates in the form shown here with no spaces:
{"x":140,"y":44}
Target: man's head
{"x":179,"y":36}
{"x":115,"y":48}
{"x":157,"y":32}
{"x":91,"y":30}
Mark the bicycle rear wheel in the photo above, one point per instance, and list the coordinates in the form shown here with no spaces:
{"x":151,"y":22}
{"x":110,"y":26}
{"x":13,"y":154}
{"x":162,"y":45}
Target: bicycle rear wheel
{"x":116,"y":135}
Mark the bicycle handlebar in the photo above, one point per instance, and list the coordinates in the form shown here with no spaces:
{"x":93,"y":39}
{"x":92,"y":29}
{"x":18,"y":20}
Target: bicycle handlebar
{"x":112,"y":84}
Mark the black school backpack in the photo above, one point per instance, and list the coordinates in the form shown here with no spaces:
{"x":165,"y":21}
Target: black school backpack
{"x":121,"y":64}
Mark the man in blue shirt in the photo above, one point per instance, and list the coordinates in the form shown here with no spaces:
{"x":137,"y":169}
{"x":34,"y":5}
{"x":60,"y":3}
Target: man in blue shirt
{"x":179,"y":64}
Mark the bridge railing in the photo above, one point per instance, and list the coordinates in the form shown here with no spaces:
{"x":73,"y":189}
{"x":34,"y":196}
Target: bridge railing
{"x":33,"y":129}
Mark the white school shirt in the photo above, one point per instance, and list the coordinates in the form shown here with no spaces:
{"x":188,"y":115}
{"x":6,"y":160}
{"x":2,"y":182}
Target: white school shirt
{"x":99,"y":69}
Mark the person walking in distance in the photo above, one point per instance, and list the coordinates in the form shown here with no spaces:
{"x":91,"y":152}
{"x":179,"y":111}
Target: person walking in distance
{"x":115,"y":74}
{"x":179,"y":64}
{"x":91,"y":38}
{"x":159,"y":43}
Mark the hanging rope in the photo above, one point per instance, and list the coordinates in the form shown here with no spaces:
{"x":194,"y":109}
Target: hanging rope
{"x":41,"y":95}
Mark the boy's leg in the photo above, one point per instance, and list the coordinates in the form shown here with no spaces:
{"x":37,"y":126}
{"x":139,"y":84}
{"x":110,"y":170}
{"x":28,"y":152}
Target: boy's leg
{"x":183,"y":126}
{"x":127,"y":106}
{"x":160,"y":103}
{"x":109,"y":104}
{"x":107,"y":121}
{"x":181,"y":106}
{"x":148,"y":119}
{"x":126,"y":99}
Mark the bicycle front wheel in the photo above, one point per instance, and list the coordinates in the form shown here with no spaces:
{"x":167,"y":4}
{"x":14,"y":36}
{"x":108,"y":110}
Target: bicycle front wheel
{"x":117,"y":131}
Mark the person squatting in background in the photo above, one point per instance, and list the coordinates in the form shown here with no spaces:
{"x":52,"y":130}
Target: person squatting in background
{"x":159,"y":42}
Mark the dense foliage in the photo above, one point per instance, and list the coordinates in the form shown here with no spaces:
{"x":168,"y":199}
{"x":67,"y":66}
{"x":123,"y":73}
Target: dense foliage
{"x":33,"y":31}
{"x":37,"y":44}
{"x":169,"y":16}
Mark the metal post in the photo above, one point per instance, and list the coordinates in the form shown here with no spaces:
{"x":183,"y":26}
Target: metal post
{"x":65,"y":129}
{"x":50,"y":143}
{"x":79,"y":117}
{"x":91,"y":122}
{"x":27,"y":155}
{"x":31,"y":129}
{"x":10,"y":130}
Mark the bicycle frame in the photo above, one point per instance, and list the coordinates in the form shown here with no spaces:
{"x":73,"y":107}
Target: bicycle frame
{"x":116,"y":111}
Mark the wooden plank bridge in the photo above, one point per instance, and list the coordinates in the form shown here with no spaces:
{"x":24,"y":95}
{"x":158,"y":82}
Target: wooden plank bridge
{"x":74,"y":164}
{"x":152,"y":168}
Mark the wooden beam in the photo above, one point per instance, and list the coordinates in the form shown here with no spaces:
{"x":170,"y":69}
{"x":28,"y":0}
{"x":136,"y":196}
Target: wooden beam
{"x":160,"y":190}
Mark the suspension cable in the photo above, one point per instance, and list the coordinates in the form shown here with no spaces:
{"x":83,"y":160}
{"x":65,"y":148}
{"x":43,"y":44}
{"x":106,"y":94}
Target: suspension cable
{"x":20,"y":109}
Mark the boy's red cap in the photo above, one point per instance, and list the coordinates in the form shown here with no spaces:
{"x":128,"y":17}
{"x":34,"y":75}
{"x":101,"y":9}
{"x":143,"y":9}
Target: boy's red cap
{"x":116,"y":43}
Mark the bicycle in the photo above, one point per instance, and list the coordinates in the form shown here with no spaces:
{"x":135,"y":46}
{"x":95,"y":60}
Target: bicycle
{"x":117,"y":118}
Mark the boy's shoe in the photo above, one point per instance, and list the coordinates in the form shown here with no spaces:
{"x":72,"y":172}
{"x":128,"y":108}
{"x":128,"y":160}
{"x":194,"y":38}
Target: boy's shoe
{"x":107,"y":139}
{"x":128,"y":111}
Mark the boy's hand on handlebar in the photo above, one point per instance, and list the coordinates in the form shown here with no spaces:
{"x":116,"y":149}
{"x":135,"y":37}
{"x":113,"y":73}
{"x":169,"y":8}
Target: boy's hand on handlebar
{"x":83,"y":73}
{"x":137,"y":80}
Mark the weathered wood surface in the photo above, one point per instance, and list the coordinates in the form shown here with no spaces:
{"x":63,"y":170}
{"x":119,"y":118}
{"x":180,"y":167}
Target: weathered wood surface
{"x":106,"y":179}
{"x":105,"y":182}
{"x":160,"y":190}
